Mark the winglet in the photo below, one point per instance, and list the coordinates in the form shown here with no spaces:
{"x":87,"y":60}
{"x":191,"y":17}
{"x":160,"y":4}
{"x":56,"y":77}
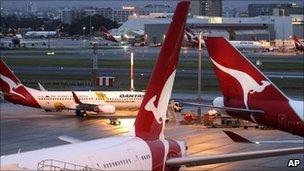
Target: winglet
{"x":76,"y":99}
{"x":41,"y":87}
{"x":236,"y":138}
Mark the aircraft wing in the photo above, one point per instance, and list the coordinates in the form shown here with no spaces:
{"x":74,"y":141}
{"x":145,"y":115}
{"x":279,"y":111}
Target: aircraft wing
{"x":231,"y":109}
{"x":69,"y":139}
{"x":239,"y":139}
{"x":104,"y":108}
{"x":190,"y":161}
{"x":83,"y":106}
{"x":32,"y":41}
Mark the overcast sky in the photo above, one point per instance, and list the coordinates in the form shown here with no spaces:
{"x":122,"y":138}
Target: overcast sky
{"x":239,"y":4}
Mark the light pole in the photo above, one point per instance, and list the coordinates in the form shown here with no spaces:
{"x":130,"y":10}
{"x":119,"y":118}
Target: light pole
{"x":132,"y":73}
{"x":92,"y":31}
{"x":83,"y":31}
{"x":283,"y":27}
{"x":199,"y":76}
{"x":95,"y":65}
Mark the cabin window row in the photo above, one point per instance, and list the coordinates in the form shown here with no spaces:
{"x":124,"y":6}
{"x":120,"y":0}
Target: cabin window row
{"x":117,"y":163}
{"x":295,"y":122}
{"x":145,"y":157}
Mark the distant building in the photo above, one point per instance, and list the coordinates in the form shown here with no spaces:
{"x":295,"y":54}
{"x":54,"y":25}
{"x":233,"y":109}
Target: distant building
{"x":31,"y":7}
{"x":107,"y":13}
{"x":206,"y":7}
{"x":66,"y":16}
{"x":274,"y":9}
{"x":122,"y":14}
{"x":267,"y":28}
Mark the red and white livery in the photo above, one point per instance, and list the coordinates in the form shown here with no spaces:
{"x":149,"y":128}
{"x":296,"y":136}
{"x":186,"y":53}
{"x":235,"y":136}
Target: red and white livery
{"x":249,"y":92}
{"x":107,"y":35}
{"x":298,"y":44}
{"x":145,"y":148}
{"x":97,"y":102}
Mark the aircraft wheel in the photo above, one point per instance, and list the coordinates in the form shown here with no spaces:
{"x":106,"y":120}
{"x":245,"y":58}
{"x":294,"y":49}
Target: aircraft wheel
{"x":78,"y":113}
{"x":117,"y":122}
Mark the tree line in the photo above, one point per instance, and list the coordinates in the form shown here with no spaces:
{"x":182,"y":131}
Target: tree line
{"x":38,"y":24}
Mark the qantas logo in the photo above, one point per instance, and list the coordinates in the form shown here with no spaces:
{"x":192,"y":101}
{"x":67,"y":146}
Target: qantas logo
{"x":107,"y":35}
{"x":159,"y":112}
{"x":12,"y":85}
{"x":249,"y":85}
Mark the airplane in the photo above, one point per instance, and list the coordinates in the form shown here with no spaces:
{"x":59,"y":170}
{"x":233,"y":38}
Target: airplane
{"x":107,"y":35}
{"x":298,"y":44}
{"x":96,"y":102}
{"x":192,"y":38}
{"x":248,"y":94}
{"x":241,"y":45}
{"x":18,"y":41}
{"x":43,"y":34}
{"x":145,"y":147}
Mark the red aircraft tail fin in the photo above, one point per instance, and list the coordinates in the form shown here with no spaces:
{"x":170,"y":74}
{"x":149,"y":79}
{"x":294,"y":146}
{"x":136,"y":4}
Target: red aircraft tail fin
{"x":150,"y":121}
{"x":239,"y":79}
{"x":12,"y":88}
{"x":299,"y":46}
{"x":106,"y":34}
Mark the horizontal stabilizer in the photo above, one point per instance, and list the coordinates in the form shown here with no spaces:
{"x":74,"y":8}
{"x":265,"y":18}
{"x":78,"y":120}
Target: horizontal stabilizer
{"x":231,"y":109}
{"x":69,"y":139}
{"x":239,"y":139}
{"x":223,"y":158}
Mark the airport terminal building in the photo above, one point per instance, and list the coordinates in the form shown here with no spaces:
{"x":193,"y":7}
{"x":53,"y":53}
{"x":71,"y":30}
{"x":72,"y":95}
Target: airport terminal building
{"x":268,"y":28}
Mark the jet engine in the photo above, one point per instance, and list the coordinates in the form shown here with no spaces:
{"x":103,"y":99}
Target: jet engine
{"x":105,"y":109}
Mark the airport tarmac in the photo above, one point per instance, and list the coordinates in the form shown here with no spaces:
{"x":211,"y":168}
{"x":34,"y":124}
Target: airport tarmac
{"x":72,"y":49}
{"x":25,"y":129}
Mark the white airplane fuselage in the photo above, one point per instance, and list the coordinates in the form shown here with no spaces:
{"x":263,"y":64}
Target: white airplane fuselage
{"x":63,"y":100}
{"x":40,"y":33}
{"x":250,"y":45}
{"x":117,"y":153}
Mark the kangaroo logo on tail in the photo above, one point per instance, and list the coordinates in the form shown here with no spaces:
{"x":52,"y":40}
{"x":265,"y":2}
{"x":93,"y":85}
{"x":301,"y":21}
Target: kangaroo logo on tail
{"x":159,"y":112}
{"x":12,"y":85}
{"x":249,"y":85}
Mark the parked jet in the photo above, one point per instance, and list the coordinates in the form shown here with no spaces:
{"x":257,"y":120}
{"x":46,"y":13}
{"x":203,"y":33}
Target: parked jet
{"x":298,"y":45}
{"x":107,"y":35}
{"x":241,"y":45}
{"x":248,"y":94}
{"x":146,"y":147}
{"x":192,"y":38}
{"x":99,"y":102}
{"x":43,"y":34}
{"x":18,"y":41}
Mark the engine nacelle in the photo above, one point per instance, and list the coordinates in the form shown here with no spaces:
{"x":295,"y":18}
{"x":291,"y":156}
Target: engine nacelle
{"x":219,"y":102}
{"x":105,"y":109}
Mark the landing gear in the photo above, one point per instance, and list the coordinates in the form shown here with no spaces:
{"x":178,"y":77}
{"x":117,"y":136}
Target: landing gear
{"x":80,"y":113}
{"x":114,"y":121}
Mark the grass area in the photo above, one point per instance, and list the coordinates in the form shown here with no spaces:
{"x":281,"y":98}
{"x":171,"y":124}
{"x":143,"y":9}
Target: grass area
{"x":140,"y":64}
{"x":292,"y":87}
